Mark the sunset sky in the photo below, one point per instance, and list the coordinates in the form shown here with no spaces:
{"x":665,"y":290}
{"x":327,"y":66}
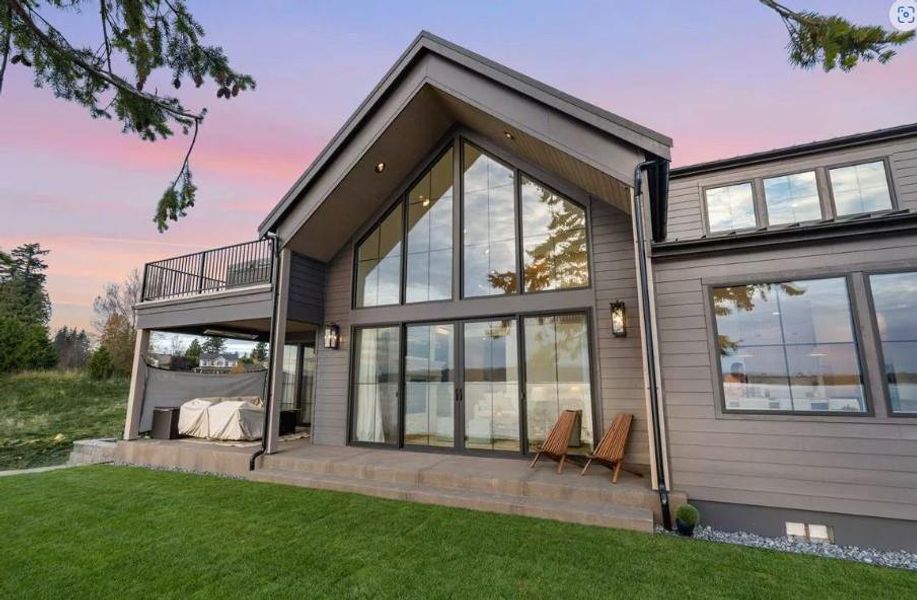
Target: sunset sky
{"x":712,"y":75}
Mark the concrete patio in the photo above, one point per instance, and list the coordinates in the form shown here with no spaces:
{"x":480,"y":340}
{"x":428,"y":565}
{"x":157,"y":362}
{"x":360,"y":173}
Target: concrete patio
{"x":502,"y":485}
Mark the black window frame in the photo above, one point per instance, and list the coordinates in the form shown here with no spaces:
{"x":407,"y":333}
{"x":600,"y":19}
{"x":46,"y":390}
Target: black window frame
{"x":754,"y":206}
{"x":889,"y":184}
{"x":874,"y":328}
{"x":858,"y":343}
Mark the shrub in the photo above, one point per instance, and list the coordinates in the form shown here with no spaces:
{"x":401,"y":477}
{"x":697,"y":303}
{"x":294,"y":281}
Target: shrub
{"x":688,"y":514}
{"x":100,"y":364}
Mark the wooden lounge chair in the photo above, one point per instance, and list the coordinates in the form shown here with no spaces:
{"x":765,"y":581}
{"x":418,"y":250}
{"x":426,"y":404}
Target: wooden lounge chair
{"x":558,"y":440}
{"x":610,"y":450}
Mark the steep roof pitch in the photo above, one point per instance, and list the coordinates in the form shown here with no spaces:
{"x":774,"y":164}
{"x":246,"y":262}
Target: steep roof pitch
{"x":641,"y":137}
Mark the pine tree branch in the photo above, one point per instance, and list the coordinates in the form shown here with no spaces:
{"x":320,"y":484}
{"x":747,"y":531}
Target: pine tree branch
{"x":108,"y":77}
{"x":103,"y":14}
{"x":184,"y":164}
{"x":5,"y":46}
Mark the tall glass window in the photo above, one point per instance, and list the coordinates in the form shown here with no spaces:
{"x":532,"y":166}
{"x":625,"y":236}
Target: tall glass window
{"x":489,"y":225}
{"x":429,"y":418}
{"x":429,"y":245}
{"x":379,"y":263}
{"x":860,"y":188}
{"x":731,"y":208}
{"x":894,"y":296}
{"x":557,"y":375}
{"x":788,"y":346}
{"x":792,"y":199}
{"x":553,"y":240}
{"x":491,"y":373}
{"x":377,"y":375}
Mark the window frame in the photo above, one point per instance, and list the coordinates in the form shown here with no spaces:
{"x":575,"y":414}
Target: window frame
{"x":877,"y":337}
{"x":717,"y":366}
{"x":455,"y":140}
{"x":458,"y":380}
{"x":539,"y":179}
{"x":400,"y":198}
{"x":754,"y":205}
{"x":889,"y":183}
{"x":818,"y":195}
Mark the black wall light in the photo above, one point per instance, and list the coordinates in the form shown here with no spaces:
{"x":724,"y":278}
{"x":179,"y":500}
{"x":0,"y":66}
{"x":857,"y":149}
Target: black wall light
{"x":618,"y":319}
{"x":332,"y":336}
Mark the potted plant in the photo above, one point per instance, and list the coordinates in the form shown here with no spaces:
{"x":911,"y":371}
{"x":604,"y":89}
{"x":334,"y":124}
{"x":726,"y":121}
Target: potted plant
{"x":686,"y":518}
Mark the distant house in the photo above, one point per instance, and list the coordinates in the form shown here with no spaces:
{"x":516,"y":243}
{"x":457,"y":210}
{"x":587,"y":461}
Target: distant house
{"x":160,"y":360}
{"x":223,"y":361}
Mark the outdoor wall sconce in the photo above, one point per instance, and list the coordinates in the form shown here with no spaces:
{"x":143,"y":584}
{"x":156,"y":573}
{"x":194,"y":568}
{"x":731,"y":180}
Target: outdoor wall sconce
{"x":332,"y":336}
{"x":618,"y":319}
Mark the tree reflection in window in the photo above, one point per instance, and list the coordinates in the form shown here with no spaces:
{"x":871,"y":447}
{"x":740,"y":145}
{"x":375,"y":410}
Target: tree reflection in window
{"x":788,"y":346}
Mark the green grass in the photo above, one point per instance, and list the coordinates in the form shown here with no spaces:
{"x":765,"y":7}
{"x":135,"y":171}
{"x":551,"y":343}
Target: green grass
{"x":42,"y":412}
{"x":120,"y":532}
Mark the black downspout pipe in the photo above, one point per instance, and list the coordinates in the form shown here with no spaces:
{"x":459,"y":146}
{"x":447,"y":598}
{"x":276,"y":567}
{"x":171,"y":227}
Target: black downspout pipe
{"x":269,"y":395}
{"x":649,"y":345}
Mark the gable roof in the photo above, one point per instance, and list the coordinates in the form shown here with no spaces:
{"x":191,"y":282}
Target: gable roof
{"x":646,"y":139}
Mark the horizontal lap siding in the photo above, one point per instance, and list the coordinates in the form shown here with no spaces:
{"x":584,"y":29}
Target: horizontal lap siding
{"x":307,"y":289}
{"x":333,"y":366}
{"x":856,"y":465}
{"x":620,"y":363}
{"x":685,"y":219}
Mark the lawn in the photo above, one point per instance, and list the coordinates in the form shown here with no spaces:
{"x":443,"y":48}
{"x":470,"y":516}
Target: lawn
{"x":41,"y":413}
{"x":121,"y":532}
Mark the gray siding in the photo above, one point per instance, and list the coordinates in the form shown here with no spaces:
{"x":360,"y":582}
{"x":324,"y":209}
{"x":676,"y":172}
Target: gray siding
{"x":332,"y":366}
{"x":857,"y":465}
{"x":307,"y":286}
{"x":620,"y":361}
{"x":686,"y":193}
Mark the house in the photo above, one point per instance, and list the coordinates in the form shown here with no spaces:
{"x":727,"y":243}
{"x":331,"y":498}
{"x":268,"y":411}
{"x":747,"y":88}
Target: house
{"x":218,"y":361}
{"x":475,"y":251}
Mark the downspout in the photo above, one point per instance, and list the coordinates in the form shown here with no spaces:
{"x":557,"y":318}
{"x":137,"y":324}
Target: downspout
{"x":269,"y":394}
{"x":649,"y":345}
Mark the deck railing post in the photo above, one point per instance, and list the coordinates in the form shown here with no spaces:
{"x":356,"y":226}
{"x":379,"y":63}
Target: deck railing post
{"x":200,"y":278}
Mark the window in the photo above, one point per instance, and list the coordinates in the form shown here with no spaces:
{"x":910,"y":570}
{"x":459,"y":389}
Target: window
{"x":553,"y":240}
{"x":792,"y":199}
{"x":557,"y":375}
{"x":429,"y":247}
{"x":788,"y":346}
{"x":894,"y":297}
{"x":377,"y":374}
{"x":860,"y":188}
{"x":379,"y":263}
{"x":731,"y":208}
{"x":428,"y":385}
{"x":491,"y":374}
{"x":489,"y":225}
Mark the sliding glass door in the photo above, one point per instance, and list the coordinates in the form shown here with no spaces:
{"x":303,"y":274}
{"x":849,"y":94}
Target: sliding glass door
{"x":491,"y":385}
{"x":495,"y":385}
{"x":429,"y":385}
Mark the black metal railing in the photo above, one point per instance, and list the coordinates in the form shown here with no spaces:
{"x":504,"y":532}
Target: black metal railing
{"x":217,"y":270}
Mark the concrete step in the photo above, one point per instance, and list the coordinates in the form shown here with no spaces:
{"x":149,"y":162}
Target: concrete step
{"x":500,"y":476}
{"x":603,"y":514}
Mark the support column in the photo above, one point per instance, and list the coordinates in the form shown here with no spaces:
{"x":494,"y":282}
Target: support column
{"x":138,"y":386}
{"x":278,"y":338}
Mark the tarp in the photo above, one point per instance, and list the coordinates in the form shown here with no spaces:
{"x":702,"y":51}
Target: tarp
{"x":174,"y":388}
{"x":235,"y":420}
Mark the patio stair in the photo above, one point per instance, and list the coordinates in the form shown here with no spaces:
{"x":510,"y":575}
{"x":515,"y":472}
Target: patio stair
{"x":494,"y":485}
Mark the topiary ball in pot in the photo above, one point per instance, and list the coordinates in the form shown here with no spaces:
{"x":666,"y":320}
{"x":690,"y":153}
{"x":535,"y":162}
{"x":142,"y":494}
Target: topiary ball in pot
{"x":686,"y":518}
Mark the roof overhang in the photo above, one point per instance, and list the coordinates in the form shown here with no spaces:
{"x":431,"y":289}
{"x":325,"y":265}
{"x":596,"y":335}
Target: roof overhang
{"x":433,"y":88}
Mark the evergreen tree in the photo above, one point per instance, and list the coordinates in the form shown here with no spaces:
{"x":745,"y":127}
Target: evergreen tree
{"x":213,"y":345}
{"x":193,"y":353}
{"x":139,"y":39}
{"x":24,"y":346}
{"x":72,"y":347}
{"x":259,"y":352}
{"x":22,"y":285}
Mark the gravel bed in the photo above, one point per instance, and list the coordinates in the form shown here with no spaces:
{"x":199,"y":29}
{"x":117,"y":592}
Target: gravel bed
{"x":897,"y":558}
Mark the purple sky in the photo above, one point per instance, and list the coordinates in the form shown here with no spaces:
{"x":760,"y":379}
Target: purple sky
{"x":713,"y":76}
